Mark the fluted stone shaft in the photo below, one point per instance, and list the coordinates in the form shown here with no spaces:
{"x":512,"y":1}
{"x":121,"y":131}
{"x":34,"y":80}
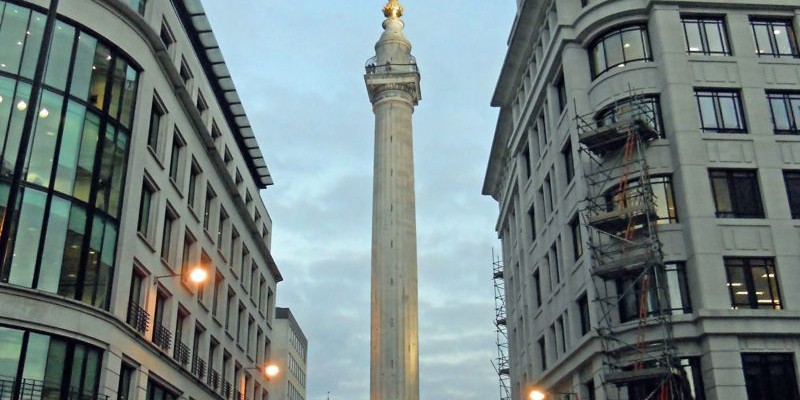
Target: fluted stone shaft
{"x":393,"y":85}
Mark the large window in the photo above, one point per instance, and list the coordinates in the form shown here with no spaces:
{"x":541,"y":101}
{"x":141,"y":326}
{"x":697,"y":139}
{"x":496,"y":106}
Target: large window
{"x":785,"y":108}
{"x":618,"y":47}
{"x":157,"y":391}
{"x":720,"y":111}
{"x":51,"y":366}
{"x":688,"y":376}
{"x":774,"y":38}
{"x":646,"y":108}
{"x":792,"y":179}
{"x":706,"y":35}
{"x":583,"y":312}
{"x":647,"y":294}
{"x":76,"y":165}
{"x":770,"y":376}
{"x":736,"y":193}
{"x":663,"y":199}
{"x":753,"y":283}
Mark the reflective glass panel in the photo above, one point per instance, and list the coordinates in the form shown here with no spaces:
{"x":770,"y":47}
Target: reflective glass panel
{"x":26,"y":238}
{"x":12,"y":37}
{"x":82,"y":70}
{"x":59,"y":58}
{"x":33,"y":42}
{"x":40,"y":157}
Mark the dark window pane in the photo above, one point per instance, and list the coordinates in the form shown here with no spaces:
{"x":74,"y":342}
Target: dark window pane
{"x":71,"y":265}
{"x":99,"y":76}
{"x":128,"y":96}
{"x":104,"y":180}
{"x":118,"y":177}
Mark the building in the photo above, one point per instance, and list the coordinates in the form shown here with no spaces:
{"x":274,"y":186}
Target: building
{"x":645,"y":164}
{"x":392,"y":80}
{"x":141,"y":167}
{"x":289,"y":349}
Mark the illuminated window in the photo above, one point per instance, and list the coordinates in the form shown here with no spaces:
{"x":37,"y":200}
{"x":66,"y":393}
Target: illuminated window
{"x":753,"y":283}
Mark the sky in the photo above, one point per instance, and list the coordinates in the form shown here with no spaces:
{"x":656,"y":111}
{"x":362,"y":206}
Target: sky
{"x":298,"y":67}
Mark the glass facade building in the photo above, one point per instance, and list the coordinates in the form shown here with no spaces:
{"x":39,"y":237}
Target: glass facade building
{"x":103,"y":154}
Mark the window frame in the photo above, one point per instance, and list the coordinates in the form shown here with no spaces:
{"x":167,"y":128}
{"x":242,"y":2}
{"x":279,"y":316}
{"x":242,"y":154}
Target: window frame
{"x":774,"y":50}
{"x":789,"y":99}
{"x":703,"y":22}
{"x":736,"y":208}
{"x":750,"y":289}
{"x":610,"y":34}
{"x":716,"y":95}
{"x":765,"y":365}
{"x":794,"y":200}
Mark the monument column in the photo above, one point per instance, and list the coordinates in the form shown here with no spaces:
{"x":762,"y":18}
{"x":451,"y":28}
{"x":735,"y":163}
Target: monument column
{"x":392,"y":80}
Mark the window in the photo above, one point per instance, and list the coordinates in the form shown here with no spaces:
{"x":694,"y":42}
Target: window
{"x":569,"y":162}
{"x":785,"y":108}
{"x":542,"y":353}
{"x":736,"y":193}
{"x":222,"y":228}
{"x":640,"y":294}
{"x":157,"y":113}
{"x":706,"y":35}
{"x":169,"y":230}
{"x":753,"y":283}
{"x":167,"y":38}
{"x":229,"y":308}
{"x":156,"y":391}
{"x":194,"y":174}
{"x":583,"y":310}
{"x":137,"y":315}
{"x":541,"y":129}
{"x":688,"y":377}
{"x":175,"y":157}
{"x":525,"y":158}
{"x":561,"y":92}
{"x":145,"y":205}
{"x":201,"y":105}
{"x":774,"y":38}
{"x":720,"y":111}
{"x":208,"y":265}
{"x":548,"y":195}
{"x":210,"y":195}
{"x":562,"y":337}
{"x":532,"y":223}
{"x":180,"y":353}
{"x":219,"y":283}
{"x":126,"y":380}
{"x":185,"y":72}
{"x":618,"y":47}
{"x":770,"y":376}
{"x":555,"y":265}
{"x":162,"y":337}
{"x":240,"y":324}
{"x":577,"y":240}
{"x":588,"y":387}
{"x":634,"y":195}
{"x":186,"y":255}
{"x":792,"y":179}
{"x":646,"y":108}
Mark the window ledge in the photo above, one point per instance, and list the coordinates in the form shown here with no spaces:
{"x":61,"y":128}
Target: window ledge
{"x":153,"y":152}
{"x":176,"y":187}
{"x":167,"y":265}
{"x":203,"y":304}
{"x":146,"y":241}
{"x":216,"y":320}
{"x":193,"y":213}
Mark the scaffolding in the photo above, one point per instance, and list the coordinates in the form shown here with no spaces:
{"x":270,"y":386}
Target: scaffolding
{"x":501,"y":363}
{"x":627,"y":266}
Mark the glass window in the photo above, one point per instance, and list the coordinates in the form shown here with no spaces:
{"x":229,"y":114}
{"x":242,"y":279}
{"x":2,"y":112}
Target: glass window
{"x":770,"y":376}
{"x":736,"y":194}
{"x":20,"y":104}
{"x":583,"y":310}
{"x":532,"y":223}
{"x":194,"y":174}
{"x":569,"y":161}
{"x":720,"y":111}
{"x":12,"y":36}
{"x":663,"y":200}
{"x":156,"y":391}
{"x":26,"y":239}
{"x":706,"y":35}
{"x":774,"y":38}
{"x":175,"y":157}
{"x":126,"y":382}
{"x":577,"y":241}
{"x":32,"y":44}
{"x":156,"y":114}
{"x":210,"y":195}
{"x":647,"y":294}
{"x":688,"y":380}
{"x":166,"y":237}
{"x":753,"y":283}
{"x":645,"y":108}
{"x":55,"y":240}
{"x":792,"y":180}
{"x":58,"y":60}
{"x":785,"y":108}
{"x":98,"y":80}
{"x":145,"y":203}
{"x":618,"y":47}
{"x":561,"y":91}
{"x":46,"y":126}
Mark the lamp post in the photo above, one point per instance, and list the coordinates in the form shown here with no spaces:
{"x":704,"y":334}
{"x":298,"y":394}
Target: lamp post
{"x":197,"y":275}
{"x":269,"y":370}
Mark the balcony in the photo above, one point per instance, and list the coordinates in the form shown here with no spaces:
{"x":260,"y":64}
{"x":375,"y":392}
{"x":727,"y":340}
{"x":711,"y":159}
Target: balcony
{"x":138,"y":318}
{"x":213,"y":379}
{"x":198,"y":367}
{"x":31,"y":389}
{"x":162,"y":337}
{"x":237,"y":395}
{"x":227,"y":388}
{"x":389,"y":68}
{"x":182,"y":353}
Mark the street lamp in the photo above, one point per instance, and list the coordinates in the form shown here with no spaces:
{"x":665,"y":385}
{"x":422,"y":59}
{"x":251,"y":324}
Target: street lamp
{"x":537,"y":394}
{"x":269,"y":370}
{"x":197,"y":275}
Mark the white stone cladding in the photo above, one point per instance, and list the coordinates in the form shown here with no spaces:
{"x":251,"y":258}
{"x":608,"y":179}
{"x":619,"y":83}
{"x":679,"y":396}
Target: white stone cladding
{"x":553,"y":37}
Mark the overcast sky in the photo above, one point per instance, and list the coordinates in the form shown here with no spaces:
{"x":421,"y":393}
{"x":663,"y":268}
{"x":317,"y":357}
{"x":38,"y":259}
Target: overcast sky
{"x":298,"y":66}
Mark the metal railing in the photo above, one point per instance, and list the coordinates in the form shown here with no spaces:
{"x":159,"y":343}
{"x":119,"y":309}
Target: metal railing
{"x":138,"y":318}
{"x":227,"y":388}
{"x":182,"y":353}
{"x":213,"y":379}
{"x":162,"y":337}
{"x":372,"y":67}
{"x":32,"y":389}
{"x":198,"y":367}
